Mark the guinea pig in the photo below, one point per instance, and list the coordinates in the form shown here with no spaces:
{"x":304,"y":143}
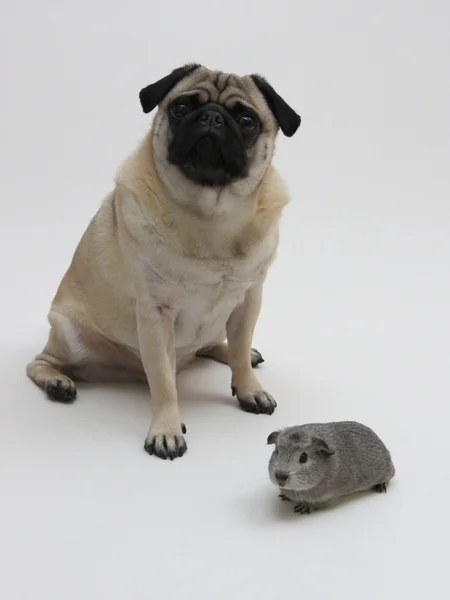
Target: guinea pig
{"x":316,"y":463}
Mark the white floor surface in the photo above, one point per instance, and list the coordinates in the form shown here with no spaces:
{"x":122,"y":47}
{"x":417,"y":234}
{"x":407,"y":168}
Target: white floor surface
{"x":355,"y":322}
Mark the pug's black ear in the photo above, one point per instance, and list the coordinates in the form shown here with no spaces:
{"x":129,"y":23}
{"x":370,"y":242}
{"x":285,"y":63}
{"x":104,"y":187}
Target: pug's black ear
{"x":288,"y":120}
{"x":152,"y":95}
{"x":272,"y":439}
{"x":322,"y":447}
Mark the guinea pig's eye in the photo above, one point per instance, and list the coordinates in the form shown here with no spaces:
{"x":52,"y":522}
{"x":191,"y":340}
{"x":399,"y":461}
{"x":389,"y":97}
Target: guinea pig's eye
{"x":303,"y":457}
{"x":180,"y":109}
{"x":246,"y":122}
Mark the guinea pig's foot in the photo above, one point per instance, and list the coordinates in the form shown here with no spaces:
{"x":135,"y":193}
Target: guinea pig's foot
{"x":284,"y":498}
{"x":258,"y":403}
{"x":304,"y":508}
{"x":381,"y":488}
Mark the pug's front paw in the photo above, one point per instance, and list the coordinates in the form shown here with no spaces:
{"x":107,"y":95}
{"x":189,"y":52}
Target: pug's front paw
{"x":165,"y":445}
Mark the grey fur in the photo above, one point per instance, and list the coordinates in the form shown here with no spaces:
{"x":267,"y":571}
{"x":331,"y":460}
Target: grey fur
{"x":342,"y":458}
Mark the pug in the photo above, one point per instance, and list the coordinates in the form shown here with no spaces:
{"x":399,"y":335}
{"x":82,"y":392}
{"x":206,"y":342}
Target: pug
{"x":174,"y":262}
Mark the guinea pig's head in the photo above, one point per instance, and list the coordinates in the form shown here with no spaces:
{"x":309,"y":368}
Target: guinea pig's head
{"x":300,"y":461}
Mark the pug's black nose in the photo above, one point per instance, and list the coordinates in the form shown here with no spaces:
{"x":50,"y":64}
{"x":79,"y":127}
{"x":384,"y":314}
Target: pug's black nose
{"x":281,"y":477}
{"x":212,"y":118}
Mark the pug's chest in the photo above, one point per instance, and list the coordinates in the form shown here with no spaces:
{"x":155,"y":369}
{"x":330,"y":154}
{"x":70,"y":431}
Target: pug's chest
{"x":202,"y":316}
{"x":203,"y":295}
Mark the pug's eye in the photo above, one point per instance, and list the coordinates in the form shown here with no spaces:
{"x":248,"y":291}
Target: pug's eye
{"x":247,"y":122}
{"x":303,"y":457}
{"x":180,"y":109}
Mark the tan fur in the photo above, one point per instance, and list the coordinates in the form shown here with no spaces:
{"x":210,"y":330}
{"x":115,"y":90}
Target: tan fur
{"x":166,"y":269}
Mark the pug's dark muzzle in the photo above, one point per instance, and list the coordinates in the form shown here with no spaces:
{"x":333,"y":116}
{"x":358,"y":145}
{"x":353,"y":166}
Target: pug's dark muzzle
{"x":208,"y":147}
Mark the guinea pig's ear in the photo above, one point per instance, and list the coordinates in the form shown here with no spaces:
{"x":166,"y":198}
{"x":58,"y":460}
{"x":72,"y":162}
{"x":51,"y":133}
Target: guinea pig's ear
{"x":272,"y":439}
{"x":322,"y":447}
{"x":152,"y":95}
{"x":288,"y":120}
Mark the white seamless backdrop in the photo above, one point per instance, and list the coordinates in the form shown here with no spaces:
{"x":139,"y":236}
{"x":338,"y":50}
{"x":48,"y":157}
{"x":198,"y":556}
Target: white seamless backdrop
{"x":355,"y":322}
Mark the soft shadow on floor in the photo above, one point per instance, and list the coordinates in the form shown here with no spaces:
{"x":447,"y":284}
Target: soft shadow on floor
{"x":262,"y":506}
{"x":190,"y":395}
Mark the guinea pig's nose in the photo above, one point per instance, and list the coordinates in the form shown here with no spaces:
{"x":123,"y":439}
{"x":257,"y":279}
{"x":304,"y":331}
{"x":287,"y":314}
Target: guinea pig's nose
{"x":212,"y":118}
{"x":281,"y":477}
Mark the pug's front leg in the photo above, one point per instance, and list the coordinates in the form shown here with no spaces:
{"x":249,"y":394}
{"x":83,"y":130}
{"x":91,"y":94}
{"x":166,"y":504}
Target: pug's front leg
{"x":240,"y":327}
{"x":157,"y":348}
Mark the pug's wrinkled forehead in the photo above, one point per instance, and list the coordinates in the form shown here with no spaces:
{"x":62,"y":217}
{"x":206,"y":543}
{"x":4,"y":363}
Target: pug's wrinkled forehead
{"x":226,"y":89}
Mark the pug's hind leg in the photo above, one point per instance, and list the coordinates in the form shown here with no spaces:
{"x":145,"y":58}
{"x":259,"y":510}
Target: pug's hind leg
{"x":219,"y":353}
{"x":46,"y":370}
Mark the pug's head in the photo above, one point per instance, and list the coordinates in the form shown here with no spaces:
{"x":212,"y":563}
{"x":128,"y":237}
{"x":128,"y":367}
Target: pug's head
{"x":215,"y":129}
